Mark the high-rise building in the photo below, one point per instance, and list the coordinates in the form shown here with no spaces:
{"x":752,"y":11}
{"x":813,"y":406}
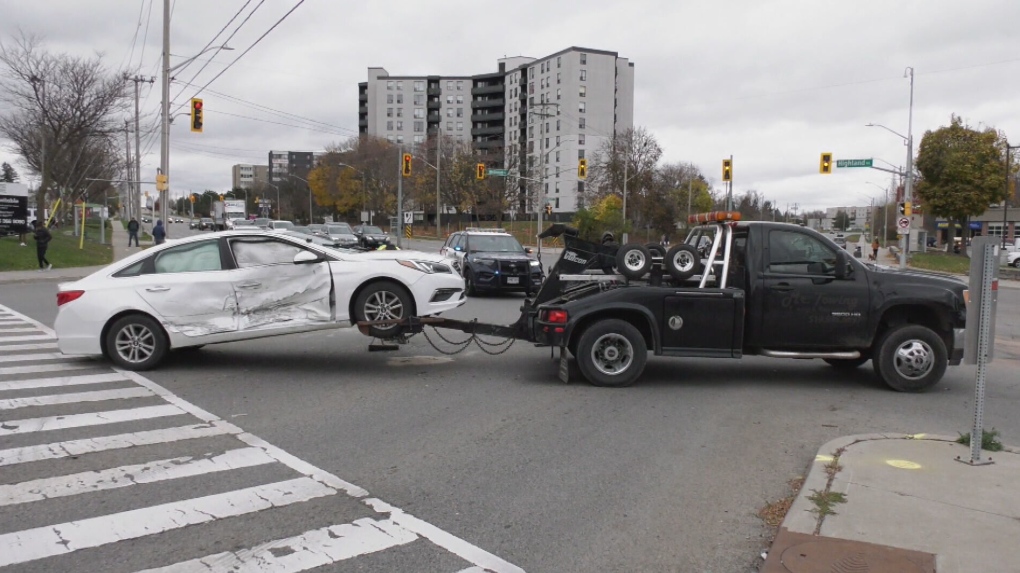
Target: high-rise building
{"x":249,"y":176}
{"x":536,"y":117}
{"x":297,"y":163}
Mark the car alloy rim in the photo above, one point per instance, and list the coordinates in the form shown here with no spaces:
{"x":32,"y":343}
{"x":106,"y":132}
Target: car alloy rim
{"x":914,"y":359}
{"x":135,"y":343}
{"x":634,"y":260}
{"x":683,"y":261}
{"x":612,"y":354}
{"x":384,"y":305}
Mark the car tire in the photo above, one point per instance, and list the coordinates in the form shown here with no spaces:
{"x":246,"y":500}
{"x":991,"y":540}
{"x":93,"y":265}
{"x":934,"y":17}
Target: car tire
{"x":136,"y":342}
{"x":683,"y":262}
{"x":846,"y":363}
{"x":910,"y":358}
{"x":656,"y":249}
{"x":1016,"y":263}
{"x":469,"y":283}
{"x":611,"y":353}
{"x":633,"y":260}
{"x":384,"y":300}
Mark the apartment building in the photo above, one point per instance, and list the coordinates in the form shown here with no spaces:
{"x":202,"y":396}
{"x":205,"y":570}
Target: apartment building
{"x":536,"y":117}
{"x":297,"y":163}
{"x":249,"y":176}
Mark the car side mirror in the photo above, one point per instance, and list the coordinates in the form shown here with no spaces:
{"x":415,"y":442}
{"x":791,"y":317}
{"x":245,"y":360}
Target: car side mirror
{"x":842,"y":264}
{"x":529,"y":250}
{"x":307,"y":258}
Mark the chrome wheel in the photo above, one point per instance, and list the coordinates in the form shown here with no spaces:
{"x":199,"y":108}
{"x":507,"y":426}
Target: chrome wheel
{"x":135,"y":343}
{"x":612,"y":354}
{"x":684,"y":261}
{"x":384,"y":305}
{"x":634,"y":260}
{"x":913,"y":359}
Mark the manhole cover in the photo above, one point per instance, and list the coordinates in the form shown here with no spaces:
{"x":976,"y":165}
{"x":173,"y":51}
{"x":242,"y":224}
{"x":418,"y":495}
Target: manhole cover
{"x":418,"y":360}
{"x":842,"y":556}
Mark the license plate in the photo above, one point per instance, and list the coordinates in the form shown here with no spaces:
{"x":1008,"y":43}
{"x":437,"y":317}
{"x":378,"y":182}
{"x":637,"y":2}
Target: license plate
{"x":513,"y":280}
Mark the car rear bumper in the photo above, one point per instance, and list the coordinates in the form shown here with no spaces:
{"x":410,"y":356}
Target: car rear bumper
{"x":77,"y":333}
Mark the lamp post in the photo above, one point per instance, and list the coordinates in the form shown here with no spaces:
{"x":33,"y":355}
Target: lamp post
{"x":1005,"y":201}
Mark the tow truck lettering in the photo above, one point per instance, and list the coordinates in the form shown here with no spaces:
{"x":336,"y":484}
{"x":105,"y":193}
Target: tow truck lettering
{"x":797,"y":300}
{"x":572,"y":257}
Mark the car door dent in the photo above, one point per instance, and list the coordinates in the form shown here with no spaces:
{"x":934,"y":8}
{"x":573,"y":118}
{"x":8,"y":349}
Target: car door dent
{"x":302,"y":299}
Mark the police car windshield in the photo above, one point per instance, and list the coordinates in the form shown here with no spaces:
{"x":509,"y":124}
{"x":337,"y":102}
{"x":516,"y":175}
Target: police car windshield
{"x":494,"y":244}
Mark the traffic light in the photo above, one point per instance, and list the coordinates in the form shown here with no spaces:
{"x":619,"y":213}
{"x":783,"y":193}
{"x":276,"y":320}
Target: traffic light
{"x":221,"y":197}
{"x":825,"y":164}
{"x":548,"y":209}
{"x":405,"y":165}
{"x":191,"y":197}
{"x":905,"y":209}
{"x":162,"y":182}
{"x":727,"y":170}
{"x":582,"y":168}
{"x":196,"y":115}
{"x":480,"y":171}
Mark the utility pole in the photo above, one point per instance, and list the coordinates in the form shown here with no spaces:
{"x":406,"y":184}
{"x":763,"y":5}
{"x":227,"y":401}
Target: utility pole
{"x":40,"y":199}
{"x":127,"y":169}
{"x":439,"y":157}
{"x":164,"y":151}
{"x":908,"y":189}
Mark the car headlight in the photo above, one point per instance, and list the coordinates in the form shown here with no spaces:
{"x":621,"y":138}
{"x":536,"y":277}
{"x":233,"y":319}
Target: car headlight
{"x":426,"y":266}
{"x":535,"y":263}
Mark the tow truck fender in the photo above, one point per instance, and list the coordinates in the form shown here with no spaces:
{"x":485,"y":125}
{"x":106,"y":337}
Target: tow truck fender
{"x":638,"y":315}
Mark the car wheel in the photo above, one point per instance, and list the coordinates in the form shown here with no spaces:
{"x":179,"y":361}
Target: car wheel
{"x":611,"y":353}
{"x":683,"y":262}
{"x":469,"y":283}
{"x":383,"y":301}
{"x":656,"y":249}
{"x":136,"y":342}
{"x":1016,"y":263}
{"x":633,"y":261}
{"x":911,"y":358}
{"x":846,"y":363}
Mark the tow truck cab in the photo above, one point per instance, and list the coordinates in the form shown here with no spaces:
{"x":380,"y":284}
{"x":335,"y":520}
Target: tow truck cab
{"x":771,"y":289}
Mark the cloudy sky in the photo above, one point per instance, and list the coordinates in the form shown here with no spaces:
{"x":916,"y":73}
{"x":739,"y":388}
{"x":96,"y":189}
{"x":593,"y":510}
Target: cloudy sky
{"x":772,"y":82}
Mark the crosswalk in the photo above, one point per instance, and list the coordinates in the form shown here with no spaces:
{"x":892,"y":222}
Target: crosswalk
{"x":104,"y":470}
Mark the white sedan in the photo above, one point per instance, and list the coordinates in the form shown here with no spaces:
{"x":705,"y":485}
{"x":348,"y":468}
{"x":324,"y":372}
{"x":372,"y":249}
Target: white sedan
{"x":239,"y":285}
{"x":1013,"y":259}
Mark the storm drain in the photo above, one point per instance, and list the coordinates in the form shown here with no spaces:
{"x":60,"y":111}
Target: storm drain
{"x":803,"y":553}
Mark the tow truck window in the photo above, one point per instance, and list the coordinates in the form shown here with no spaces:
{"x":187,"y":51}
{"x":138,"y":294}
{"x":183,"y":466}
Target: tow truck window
{"x":795,"y":253}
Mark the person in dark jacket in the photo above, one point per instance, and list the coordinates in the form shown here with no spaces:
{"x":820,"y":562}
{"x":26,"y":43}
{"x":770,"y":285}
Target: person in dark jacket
{"x":132,"y":228}
{"x":159,"y":233}
{"x":42,"y":242}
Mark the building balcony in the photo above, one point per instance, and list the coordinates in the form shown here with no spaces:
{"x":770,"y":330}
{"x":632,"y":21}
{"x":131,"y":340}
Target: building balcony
{"x":495,"y":116}
{"x":434,"y":91}
{"x":434,"y":117}
{"x":363,"y":97}
{"x":487,"y":144}
{"x":434,"y":104}
{"x":362,"y":123}
{"x":482,"y":103}
{"x":490,"y":89}
{"x":363,"y":109}
{"x":487,"y":130}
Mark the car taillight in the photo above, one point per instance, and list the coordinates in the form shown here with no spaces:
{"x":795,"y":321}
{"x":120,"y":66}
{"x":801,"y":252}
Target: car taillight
{"x":556,"y":316}
{"x":67,"y":296}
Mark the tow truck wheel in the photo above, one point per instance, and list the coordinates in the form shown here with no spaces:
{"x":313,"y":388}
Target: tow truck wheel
{"x":656,"y":249}
{"x":383,"y":301}
{"x":611,"y":353}
{"x":633,"y":260}
{"x":683,"y":262}
{"x":911,"y":358}
{"x":846,"y":363}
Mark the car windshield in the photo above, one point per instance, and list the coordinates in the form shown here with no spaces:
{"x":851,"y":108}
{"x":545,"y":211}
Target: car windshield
{"x":494,"y":244}
{"x":368,"y":229}
{"x":339,"y":229}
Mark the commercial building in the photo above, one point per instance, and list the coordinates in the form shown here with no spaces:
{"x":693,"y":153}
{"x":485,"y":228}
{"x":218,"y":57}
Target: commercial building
{"x":535,"y":117}
{"x":249,"y":176}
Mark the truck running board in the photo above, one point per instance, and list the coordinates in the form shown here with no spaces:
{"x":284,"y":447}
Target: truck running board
{"x":847,"y":355}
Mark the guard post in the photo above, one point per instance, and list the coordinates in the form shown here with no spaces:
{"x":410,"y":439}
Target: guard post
{"x":979,"y":342}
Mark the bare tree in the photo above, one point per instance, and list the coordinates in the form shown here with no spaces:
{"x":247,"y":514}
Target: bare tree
{"x":63,"y":105}
{"x":627,"y":160}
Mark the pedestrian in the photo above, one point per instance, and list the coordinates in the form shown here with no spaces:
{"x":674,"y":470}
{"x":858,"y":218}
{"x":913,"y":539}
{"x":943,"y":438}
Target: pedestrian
{"x":874,"y":249}
{"x":22,"y":230}
{"x":159,"y":233}
{"x":42,"y":242}
{"x":132,"y":231}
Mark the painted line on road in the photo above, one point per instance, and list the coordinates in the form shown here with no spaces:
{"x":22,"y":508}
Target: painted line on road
{"x":26,"y":338}
{"x":48,"y":423}
{"x":309,"y":550}
{"x":83,"y":446}
{"x":447,"y":541}
{"x":17,"y":328}
{"x":124,"y":476}
{"x":61,"y":381}
{"x":62,"y":538}
{"x":11,"y":313}
{"x":74,"y":397}
{"x":38,"y":368}
{"x":20,"y":347}
{"x":27,"y":357}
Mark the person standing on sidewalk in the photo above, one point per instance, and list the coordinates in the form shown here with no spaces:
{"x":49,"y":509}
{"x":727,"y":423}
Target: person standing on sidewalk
{"x":42,"y":242}
{"x":159,"y":233}
{"x":874,"y":250}
{"x":132,"y":228}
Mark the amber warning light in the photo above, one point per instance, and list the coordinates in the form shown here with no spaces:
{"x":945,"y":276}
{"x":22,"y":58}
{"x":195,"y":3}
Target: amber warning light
{"x":714,"y":217}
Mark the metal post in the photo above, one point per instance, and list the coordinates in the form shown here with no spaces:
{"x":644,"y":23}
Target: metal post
{"x":138,"y":165}
{"x":164,"y":151}
{"x":1005,"y":201}
{"x":729,"y":191}
{"x":400,"y":196}
{"x":439,"y":157}
{"x":625,"y":163}
{"x":690,"y":190}
{"x":908,"y":190}
{"x":988,"y":265}
{"x":129,"y":184}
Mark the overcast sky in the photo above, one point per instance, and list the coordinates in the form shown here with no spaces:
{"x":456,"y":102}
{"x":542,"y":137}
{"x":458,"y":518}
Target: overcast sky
{"x":772,"y":82}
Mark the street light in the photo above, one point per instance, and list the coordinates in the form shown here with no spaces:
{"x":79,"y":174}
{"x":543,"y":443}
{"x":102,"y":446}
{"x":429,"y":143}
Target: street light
{"x":309,"y":185}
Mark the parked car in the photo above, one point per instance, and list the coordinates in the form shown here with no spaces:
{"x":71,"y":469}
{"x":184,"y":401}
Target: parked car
{"x":262,"y":222}
{"x":492,"y":260}
{"x":193,"y":224}
{"x":240,"y":285}
{"x":340,"y":233}
{"x":280,"y":225}
{"x":370,"y":236}
{"x":301,"y":229}
{"x":1013,"y":259}
{"x":316,"y":228}
{"x":179,"y":220}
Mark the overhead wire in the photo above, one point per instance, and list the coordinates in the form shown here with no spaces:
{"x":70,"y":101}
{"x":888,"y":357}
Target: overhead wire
{"x":225,"y":42}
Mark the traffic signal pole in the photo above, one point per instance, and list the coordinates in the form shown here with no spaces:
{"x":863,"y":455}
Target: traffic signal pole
{"x":400,"y":196}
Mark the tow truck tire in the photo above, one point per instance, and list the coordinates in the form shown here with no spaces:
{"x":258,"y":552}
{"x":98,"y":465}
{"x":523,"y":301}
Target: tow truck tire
{"x":633,"y":260}
{"x":384,"y":300}
{"x":611,"y":353}
{"x":656,"y":249}
{"x":910,"y":358}
{"x":846,"y":363}
{"x":683,"y":262}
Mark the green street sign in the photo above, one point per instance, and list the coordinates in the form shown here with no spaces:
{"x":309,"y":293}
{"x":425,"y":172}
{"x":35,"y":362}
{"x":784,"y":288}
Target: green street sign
{"x":853,"y":163}
{"x":497,"y":172}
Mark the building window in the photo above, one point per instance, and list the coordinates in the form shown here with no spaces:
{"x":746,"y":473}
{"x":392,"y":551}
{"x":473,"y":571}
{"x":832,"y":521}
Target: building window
{"x":580,"y":107}
{"x":584,"y":59}
{"x":557,"y":156}
{"x":389,"y":112}
{"x":580,"y":123}
{"x":400,"y":99}
{"x":584,"y":75}
{"x":559,"y":62}
{"x":460,"y":126}
{"x":531,"y":88}
{"x":400,"y":125}
{"x":557,"y":125}
{"x":557,"y":140}
{"x":400,"y":139}
{"x":582,"y":91}
{"x":418,"y":139}
{"x":547,"y":143}
{"x":547,"y":127}
{"x":400,"y":85}
{"x":419,"y":126}
{"x":557,"y":78}
{"x":460,"y":85}
{"x":389,"y":85}
{"x":994,"y":229}
{"x":580,"y":139}
{"x":419,"y":86}
{"x":449,"y":126}
{"x":449,"y":99}
{"x":559,"y":94}
{"x":460,"y":112}
{"x":580,"y":154}
{"x":460,"y":100}
{"x":389,"y":98}
{"x":419,"y":113}
{"x":531,"y":146}
{"x":580,"y":187}
{"x":400,"y":112}
{"x":419,"y":99}
{"x":449,"y":85}
{"x":449,"y":112}
{"x":531,"y":73}
{"x":391,"y":139}
{"x":531,"y":100}
{"x":389,"y":125}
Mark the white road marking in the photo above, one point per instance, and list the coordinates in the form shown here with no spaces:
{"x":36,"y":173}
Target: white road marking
{"x":17,"y":329}
{"x":71,"y":398}
{"x":473,"y":570}
{"x":48,"y":423}
{"x":38,"y":368}
{"x":57,"y":450}
{"x":447,"y":541}
{"x":62,"y":538}
{"x":27,"y":357}
{"x":61,"y":381}
{"x":27,"y":337}
{"x":124,"y":476}
{"x":309,"y":550}
{"x":20,"y":347}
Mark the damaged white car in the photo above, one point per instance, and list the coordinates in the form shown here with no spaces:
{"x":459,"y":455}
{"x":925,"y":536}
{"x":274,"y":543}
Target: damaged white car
{"x":239,"y":285}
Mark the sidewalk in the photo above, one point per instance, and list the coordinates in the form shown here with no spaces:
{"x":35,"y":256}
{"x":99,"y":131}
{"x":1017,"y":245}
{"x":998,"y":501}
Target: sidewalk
{"x":908,"y":505}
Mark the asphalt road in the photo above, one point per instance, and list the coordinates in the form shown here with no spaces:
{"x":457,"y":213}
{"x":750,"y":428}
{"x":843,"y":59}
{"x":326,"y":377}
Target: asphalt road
{"x":663,"y":476}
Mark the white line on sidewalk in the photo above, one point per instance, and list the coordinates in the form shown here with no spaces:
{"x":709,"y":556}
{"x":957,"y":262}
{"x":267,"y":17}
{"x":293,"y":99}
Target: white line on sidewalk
{"x":37,"y":368}
{"x":69,"y":448}
{"x":61,"y":381}
{"x":63,"y":538}
{"x":73,"y":397}
{"x":19,"y":347}
{"x":124,"y":476}
{"x":309,"y":550}
{"x":49,"y":423}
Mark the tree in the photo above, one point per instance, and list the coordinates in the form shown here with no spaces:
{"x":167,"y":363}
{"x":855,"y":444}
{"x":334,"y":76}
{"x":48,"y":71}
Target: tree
{"x":64,"y":105}
{"x":627,"y":159}
{"x":8,"y":174}
{"x":842,"y":220}
{"x":962,"y":172}
{"x":606,"y":214}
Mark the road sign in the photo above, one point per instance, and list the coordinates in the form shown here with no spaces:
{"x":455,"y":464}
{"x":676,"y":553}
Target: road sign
{"x":841,"y":163}
{"x":407,"y":232}
{"x":903,"y":223}
{"x":408,"y":217}
{"x":497,"y":172}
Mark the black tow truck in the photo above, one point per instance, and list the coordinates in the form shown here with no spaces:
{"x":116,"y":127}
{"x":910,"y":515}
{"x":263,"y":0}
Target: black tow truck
{"x":735,"y":288}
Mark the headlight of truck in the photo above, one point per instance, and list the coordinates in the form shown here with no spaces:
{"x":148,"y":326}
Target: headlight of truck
{"x":426,"y":266}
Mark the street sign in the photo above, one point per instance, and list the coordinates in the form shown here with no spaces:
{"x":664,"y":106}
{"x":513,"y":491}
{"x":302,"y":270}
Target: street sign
{"x":407,"y":232}
{"x":841,"y":163}
{"x":408,"y":217}
{"x":903,"y":223}
{"x":497,"y":172}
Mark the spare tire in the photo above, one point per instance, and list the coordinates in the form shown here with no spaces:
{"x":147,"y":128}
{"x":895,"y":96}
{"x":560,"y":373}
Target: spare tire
{"x":656,"y":249}
{"x":633,"y":260}
{"x":683,"y":262}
